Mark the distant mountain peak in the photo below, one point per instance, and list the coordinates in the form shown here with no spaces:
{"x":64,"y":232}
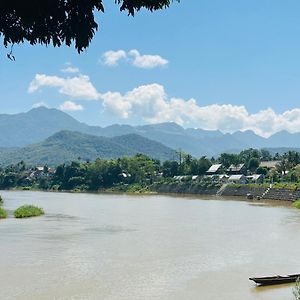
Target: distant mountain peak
{"x":166,"y":126}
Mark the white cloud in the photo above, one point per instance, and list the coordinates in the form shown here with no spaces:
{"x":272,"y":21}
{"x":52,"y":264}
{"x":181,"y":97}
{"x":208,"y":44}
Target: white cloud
{"x":70,"y":106}
{"x":112,"y":58}
{"x":146,"y":61}
{"x":70,"y":69}
{"x":40,"y":104}
{"x":151,"y":104}
{"x":77,"y":87}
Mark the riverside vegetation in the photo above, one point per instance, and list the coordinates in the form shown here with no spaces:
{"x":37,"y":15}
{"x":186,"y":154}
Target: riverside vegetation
{"x":27,"y":211}
{"x":142,"y":173}
{"x":3,"y":213}
{"x":296,"y":204}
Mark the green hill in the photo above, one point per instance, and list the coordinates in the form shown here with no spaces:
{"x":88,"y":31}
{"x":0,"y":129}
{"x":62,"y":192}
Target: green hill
{"x":66,"y":146}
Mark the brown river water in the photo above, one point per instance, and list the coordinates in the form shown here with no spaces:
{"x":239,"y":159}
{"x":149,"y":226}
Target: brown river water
{"x":123,"y":247}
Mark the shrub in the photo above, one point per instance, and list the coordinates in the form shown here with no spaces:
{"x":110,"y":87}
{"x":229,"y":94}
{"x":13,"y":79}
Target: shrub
{"x":3,"y":213}
{"x":296,"y":290}
{"x":296,"y":204}
{"x":27,"y":211}
{"x":1,"y":200}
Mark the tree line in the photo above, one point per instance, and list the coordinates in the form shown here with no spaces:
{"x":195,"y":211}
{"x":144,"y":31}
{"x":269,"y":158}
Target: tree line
{"x":141,"y":169}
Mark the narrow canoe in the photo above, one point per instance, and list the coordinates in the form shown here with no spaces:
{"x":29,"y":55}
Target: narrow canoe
{"x":275,"y":279}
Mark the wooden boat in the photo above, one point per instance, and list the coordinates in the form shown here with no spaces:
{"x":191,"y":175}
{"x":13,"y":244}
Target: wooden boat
{"x":275,"y":279}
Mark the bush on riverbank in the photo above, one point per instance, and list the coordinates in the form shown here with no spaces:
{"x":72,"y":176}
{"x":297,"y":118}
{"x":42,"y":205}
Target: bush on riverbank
{"x":3,"y":213}
{"x":1,"y":200}
{"x":129,"y":188}
{"x":296,"y":204}
{"x":27,"y":211}
{"x":296,"y":290}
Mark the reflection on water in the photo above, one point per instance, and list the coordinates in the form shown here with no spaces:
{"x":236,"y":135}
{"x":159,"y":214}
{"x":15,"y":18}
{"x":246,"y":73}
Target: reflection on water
{"x":145,"y":247}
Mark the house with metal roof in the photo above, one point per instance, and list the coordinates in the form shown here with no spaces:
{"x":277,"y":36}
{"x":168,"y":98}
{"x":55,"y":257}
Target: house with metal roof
{"x":271,"y":164}
{"x":220,"y":178}
{"x":241,"y":179}
{"x":256,"y":178}
{"x":214,"y":169}
{"x":237,"y":169}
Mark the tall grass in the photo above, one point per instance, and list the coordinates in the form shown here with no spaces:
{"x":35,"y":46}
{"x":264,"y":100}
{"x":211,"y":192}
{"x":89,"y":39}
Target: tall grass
{"x":3,"y":213}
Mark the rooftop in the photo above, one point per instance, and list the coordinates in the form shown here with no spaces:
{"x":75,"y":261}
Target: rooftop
{"x":214,"y":168}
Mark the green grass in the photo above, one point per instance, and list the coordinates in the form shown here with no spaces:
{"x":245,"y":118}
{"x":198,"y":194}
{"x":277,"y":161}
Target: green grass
{"x":296,"y":204}
{"x":27,"y":211}
{"x":3,"y":213}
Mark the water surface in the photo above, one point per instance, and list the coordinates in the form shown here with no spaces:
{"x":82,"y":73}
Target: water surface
{"x":99,"y":246}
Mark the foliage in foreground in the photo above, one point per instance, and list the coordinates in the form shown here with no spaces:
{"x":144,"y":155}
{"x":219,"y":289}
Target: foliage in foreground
{"x":3,"y":213}
{"x":27,"y":211}
{"x":59,"y":21}
{"x":296,"y":290}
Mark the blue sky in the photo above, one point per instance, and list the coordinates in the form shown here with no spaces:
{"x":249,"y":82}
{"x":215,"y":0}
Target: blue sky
{"x":239,"y":62}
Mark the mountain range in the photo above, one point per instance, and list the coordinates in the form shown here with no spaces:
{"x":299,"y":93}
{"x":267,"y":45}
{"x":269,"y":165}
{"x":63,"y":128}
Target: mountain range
{"x":39,"y":125}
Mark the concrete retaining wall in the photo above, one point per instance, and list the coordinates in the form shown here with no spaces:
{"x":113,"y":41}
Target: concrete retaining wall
{"x":230,"y":190}
{"x":184,"y":188}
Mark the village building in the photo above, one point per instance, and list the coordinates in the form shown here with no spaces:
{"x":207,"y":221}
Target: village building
{"x":256,"y":178}
{"x":214,"y":169}
{"x":237,"y":169}
{"x":271,"y":164}
{"x":219,"y":178}
{"x":239,"y":179}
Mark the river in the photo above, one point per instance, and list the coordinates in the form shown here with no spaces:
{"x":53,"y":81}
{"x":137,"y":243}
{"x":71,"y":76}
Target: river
{"x":124,"y":247}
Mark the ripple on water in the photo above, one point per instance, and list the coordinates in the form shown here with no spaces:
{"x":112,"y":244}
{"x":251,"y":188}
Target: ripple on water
{"x":111,"y":229}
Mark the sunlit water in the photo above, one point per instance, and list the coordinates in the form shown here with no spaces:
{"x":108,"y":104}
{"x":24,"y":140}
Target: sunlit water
{"x":122,"y":247}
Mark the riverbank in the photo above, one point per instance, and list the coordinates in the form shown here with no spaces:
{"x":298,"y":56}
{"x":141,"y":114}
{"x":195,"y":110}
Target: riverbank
{"x":286,"y":192}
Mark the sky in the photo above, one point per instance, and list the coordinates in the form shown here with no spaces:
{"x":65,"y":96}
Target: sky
{"x":228,"y":65}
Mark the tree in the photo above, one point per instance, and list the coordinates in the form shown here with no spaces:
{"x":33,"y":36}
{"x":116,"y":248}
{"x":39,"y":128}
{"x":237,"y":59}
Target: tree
{"x":200,"y":166}
{"x":227,"y":159}
{"x":265,"y":155}
{"x":170,"y":168}
{"x":283,"y":166}
{"x":246,"y":155}
{"x":262,"y":170}
{"x":59,"y":22}
{"x":253,"y":164}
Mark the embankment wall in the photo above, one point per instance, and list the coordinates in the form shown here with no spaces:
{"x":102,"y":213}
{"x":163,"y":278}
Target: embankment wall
{"x":283,"y":194}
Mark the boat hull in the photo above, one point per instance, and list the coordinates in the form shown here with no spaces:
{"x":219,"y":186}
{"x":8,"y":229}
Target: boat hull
{"x":275,"y":279}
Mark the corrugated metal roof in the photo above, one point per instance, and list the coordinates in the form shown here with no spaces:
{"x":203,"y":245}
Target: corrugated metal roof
{"x":255,"y":176}
{"x":214,"y":168}
{"x":269,"y":164}
{"x":236,"y":177}
{"x":236,"y":168}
